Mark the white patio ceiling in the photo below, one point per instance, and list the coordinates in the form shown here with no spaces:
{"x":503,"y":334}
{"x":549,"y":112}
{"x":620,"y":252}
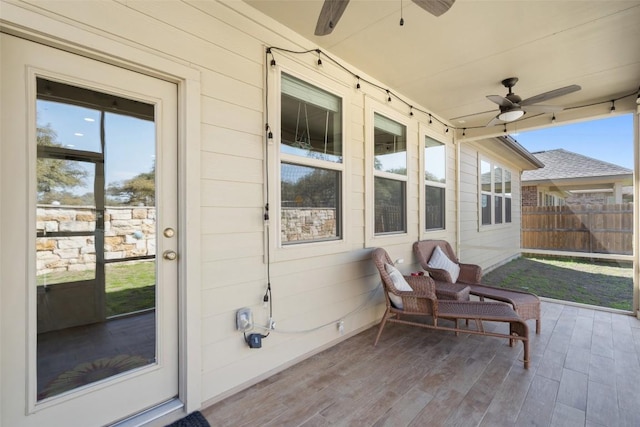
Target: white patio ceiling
{"x":451,"y":63}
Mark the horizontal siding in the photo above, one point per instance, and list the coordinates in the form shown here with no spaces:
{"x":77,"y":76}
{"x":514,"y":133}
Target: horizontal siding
{"x":337,"y":282}
{"x":485,"y":246}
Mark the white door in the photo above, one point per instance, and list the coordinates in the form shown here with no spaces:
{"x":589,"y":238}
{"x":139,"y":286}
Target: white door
{"x":88,"y":217}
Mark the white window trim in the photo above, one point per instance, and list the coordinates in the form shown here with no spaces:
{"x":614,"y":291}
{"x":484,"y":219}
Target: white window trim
{"x":492,"y":165}
{"x":278,"y":251}
{"x":372,"y":107}
{"x":425,"y":131}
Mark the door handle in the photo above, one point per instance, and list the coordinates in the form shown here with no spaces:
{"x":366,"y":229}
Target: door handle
{"x":170,"y":255}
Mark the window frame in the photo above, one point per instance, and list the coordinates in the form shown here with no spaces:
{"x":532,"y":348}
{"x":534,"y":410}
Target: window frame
{"x":434,"y":184}
{"x":281,"y":251}
{"x":373,"y":107}
{"x":505,"y":216}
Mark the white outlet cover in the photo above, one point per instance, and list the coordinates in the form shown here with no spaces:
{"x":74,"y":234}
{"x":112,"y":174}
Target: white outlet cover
{"x":244,"y":319}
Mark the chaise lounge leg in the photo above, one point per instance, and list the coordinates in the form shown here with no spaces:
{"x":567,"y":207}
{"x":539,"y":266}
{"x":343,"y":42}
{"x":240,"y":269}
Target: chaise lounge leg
{"x":538,"y":326}
{"x":381,"y":327}
{"x":521,"y":329}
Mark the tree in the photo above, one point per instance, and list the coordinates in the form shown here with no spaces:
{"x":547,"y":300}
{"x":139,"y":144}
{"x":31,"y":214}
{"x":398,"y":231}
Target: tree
{"x":141,"y":189}
{"x":55,"y":175}
{"x":316,"y":189}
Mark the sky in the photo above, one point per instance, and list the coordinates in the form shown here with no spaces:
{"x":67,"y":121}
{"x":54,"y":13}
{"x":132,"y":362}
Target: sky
{"x":609,"y":139}
{"x":130,"y":142}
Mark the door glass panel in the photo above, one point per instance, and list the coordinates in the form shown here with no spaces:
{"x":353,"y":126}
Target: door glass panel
{"x":96,"y":228}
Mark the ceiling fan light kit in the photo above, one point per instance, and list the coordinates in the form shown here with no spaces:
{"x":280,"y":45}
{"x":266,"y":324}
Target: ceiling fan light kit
{"x":511,"y":115}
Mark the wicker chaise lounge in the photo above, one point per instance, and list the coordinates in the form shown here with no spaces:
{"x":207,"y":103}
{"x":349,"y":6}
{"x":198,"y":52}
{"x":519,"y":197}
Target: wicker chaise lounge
{"x":526,"y":304}
{"x":415,"y":297}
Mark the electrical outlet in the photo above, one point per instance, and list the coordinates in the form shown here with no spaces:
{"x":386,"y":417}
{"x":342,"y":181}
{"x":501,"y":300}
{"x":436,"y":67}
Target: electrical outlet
{"x":244,"y":319}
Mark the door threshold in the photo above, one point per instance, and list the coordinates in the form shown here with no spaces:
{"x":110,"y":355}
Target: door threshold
{"x":151,"y":414}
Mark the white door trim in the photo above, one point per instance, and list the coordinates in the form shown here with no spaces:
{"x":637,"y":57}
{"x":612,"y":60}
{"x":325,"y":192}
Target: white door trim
{"x":46,"y":30}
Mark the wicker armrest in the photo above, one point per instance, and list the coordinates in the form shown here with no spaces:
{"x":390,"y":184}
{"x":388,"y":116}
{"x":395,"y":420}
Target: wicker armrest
{"x":470,"y":273}
{"x":439,"y":274}
{"x":422,"y":285}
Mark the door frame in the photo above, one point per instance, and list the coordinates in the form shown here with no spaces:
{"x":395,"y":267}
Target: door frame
{"x":33,"y":26}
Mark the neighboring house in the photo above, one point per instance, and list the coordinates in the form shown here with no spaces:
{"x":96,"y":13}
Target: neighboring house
{"x":569,"y":178}
{"x":273,"y":184}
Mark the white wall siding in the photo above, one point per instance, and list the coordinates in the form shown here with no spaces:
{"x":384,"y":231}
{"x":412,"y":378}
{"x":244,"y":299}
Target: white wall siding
{"x":313,"y":284}
{"x":486,"y":246}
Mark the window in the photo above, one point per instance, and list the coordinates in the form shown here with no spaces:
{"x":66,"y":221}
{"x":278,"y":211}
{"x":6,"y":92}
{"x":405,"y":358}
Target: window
{"x":495,"y":194}
{"x":390,"y":175}
{"x":435,"y":165}
{"x":311,"y":163}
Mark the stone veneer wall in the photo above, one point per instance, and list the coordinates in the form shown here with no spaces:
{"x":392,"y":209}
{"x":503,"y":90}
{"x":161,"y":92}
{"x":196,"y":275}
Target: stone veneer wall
{"x":300,"y":224}
{"x":129,"y":232}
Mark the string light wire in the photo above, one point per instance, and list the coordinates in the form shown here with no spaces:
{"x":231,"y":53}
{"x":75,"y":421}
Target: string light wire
{"x":390,"y":93}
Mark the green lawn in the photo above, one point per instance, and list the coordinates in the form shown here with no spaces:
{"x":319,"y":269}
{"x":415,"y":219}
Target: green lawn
{"x":129,"y":286}
{"x":605,"y":284}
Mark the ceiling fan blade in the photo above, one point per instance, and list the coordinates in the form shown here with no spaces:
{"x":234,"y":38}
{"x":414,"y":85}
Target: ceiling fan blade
{"x":500,"y":100}
{"x":435,"y":7}
{"x":330,"y":14}
{"x":551,"y":94}
{"x":494,"y":121}
{"x":542,"y":108}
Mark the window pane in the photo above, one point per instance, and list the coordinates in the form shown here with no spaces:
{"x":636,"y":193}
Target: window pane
{"x":485,"y":176}
{"x":82,"y":285}
{"x":507,"y":209}
{"x":435,"y":162}
{"x":435,"y":212}
{"x":507,"y":183}
{"x":498,"y":209}
{"x":130,"y":161}
{"x":310,"y":203}
{"x":497,"y":180}
{"x":486,"y":209}
{"x":389,"y":206}
{"x":390,"y":146}
{"x":68,"y":126}
{"x":311,"y":121}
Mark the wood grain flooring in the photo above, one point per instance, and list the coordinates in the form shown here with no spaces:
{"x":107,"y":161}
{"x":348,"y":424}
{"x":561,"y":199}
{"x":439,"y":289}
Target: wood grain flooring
{"x":585,"y":371}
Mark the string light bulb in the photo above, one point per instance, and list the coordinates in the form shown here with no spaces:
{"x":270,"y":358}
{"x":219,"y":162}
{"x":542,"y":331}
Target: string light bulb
{"x":553,"y":118}
{"x":505,"y":128}
{"x":273,"y":59}
{"x":464,"y":131}
{"x":430,"y":121}
{"x":613,"y":106}
{"x":401,"y":18}
{"x":447,"y":130}
{"x":319,"y":59}
{"x":388,"y":96}
{"x":358,"y":83}
{"x":411,"y":110}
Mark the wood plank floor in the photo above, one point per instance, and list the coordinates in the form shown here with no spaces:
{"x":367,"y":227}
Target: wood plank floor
{"x":585,"y":371}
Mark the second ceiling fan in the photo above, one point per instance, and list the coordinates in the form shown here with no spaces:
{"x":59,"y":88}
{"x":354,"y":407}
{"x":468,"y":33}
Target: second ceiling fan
{"x":332,"y":10}
{"x":512,"y":107}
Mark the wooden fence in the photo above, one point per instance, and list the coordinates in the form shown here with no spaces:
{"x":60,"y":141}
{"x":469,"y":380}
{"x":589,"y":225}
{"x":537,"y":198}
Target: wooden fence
{"x":586,"y":228}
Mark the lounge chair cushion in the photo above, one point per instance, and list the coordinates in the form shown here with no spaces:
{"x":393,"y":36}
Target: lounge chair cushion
{"x":441,"y":261}
{"x":399,"y":283}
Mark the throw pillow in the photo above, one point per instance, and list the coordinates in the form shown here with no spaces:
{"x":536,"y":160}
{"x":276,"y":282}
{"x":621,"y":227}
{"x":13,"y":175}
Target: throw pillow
{"x":399,"y":282}
{"x":440,"y":260}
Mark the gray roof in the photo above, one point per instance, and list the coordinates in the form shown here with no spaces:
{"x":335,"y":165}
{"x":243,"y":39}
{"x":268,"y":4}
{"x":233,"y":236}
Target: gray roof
{"x":563,"y":164}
